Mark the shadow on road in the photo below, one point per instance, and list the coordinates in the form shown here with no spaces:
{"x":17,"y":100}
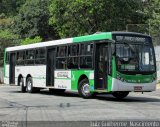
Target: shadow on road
{"x":128,"y":99}
{"x":102,"y":97}
{"x":107,"y":97}
{"x":65,"y":94}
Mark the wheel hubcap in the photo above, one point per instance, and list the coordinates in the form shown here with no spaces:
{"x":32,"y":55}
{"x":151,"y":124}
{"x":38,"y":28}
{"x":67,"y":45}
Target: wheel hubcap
{"x":29,"y":85}
{"x":85,"y":89}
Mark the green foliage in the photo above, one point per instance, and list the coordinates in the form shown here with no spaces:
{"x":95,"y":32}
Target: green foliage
{"x":7,"y":39}
{"x":31,"y":41}
{"x":153,"y":13}
{"x":10,"y":7}
{"x":79,"y":17}
{"x":4,"y":22}
{"x":32,"y":20}
{"x":6,"y":34}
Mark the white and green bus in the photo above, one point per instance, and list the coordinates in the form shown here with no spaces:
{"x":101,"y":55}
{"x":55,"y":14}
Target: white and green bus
{"x":108,"y":62}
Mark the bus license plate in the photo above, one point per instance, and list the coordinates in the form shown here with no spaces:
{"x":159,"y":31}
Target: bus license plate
{"x":138,"y":88}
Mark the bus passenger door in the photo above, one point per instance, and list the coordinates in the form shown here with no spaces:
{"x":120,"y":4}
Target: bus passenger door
{"x":12,"y":68}
{"x":50,"y":67}
{"x":101,"y":66}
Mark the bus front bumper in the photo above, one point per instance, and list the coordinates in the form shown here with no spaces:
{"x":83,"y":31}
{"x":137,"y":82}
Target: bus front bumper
{"x":118,"y":85}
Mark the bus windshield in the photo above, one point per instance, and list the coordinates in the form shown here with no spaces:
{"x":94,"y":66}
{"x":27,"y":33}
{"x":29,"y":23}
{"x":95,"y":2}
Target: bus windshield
{"x":138,"y":57}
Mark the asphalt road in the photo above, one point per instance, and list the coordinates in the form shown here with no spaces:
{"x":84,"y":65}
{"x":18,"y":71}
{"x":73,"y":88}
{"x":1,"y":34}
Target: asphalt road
{"x":45,"y":106}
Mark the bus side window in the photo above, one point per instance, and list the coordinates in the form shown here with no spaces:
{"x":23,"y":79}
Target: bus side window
{"x":86,"y":59}
{"x":30,"y":56}
{"x":73,"y":54}
{"x":61,"y":51}
{"x":20,"y":58}
{"x":40,"y":56}
{"x":61,"y":59}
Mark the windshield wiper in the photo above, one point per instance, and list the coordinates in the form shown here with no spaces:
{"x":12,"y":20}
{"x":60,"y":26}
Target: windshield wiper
{"x":133,"y":50}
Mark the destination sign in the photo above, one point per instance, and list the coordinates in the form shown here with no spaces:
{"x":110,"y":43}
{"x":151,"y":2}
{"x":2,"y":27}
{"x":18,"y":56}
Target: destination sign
{"x":132,"y":39}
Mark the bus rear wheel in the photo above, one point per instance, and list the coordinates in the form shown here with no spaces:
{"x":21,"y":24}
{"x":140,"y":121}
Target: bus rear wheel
{"x":120,"y":94}
{"x":21,"y":83}
{"x":84,"y":90}
{"x":30,"y":88}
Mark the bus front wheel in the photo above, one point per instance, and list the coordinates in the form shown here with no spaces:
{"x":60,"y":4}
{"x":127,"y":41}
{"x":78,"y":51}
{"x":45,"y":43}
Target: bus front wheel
{"x":120,"y":94}
{"x":83,"y":89}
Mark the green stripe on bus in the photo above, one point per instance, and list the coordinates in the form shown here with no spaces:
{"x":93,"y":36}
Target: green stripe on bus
{"x":101,"y":36}
{"x":33,"y":77}
{"x":4,"y":61}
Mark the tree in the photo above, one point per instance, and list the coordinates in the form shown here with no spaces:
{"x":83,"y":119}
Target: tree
{"x":10,"y":7}
{"x":32,"y":21}
{"x":7,"y":38}
{"x":31,"y":41}
{"x":153,"y":13}
{"x":79,"y":17}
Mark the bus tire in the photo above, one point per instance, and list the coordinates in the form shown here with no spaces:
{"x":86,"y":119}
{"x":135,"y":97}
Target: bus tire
{"x":29,"y":85}
{"x":120,"y":94}
{"x":83,"y":89}
{"x":21,"y":83}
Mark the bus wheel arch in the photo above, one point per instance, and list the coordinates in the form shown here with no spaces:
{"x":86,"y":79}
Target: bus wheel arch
{"x":19,"y":79}
{"x":81,"y":78}
{"x":28,"y":77}
{"x":83,"y":87}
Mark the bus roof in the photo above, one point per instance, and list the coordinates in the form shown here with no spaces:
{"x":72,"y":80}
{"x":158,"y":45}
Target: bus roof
{"x":41,"y":44}
{"x":99,"y":36}
{"x":96,"y":36}
{"x":129,"y":33}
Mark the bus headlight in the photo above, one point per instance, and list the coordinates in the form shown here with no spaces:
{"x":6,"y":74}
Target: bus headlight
{"x":120,"y":78}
